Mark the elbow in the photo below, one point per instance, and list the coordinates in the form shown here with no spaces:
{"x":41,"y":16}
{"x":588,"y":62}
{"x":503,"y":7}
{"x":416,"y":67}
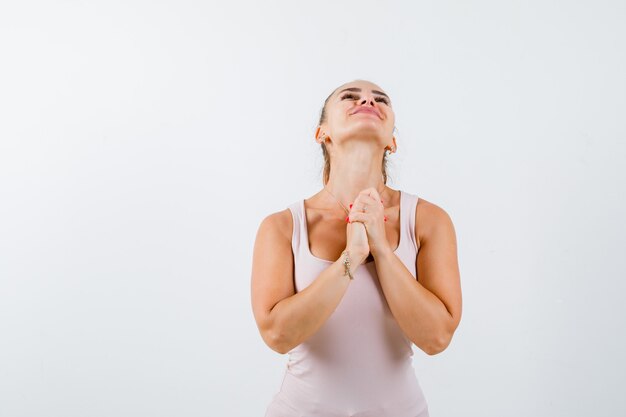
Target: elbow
{"x":438,"y":344}
{"x":270,"y":334}
{"x":276,"y":341}
{"x":274,"y":336}
{"x":279,"y":346}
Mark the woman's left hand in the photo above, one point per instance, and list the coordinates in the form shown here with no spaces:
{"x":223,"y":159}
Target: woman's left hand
{"x":373,"y":218}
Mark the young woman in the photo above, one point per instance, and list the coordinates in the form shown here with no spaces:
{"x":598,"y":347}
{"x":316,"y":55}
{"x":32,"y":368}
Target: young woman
{"x":348,"y":279}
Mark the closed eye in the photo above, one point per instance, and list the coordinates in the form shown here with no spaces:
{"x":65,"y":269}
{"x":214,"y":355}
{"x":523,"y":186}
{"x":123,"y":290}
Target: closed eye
{"x":356,"y":97}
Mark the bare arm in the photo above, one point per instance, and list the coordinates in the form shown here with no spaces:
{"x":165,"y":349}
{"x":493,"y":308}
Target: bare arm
{"x":286,"y":318}
{"x":429,"y":310}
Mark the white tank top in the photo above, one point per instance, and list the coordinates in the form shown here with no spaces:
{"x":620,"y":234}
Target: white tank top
{"x":360,"y":357}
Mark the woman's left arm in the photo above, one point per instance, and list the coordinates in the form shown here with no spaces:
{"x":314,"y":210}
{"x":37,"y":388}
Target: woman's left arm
{"x":428,"y":310}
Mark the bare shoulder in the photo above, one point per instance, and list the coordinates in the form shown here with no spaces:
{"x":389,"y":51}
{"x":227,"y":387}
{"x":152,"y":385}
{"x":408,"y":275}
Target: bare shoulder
{"x":430,"y":219}
{"x":279,"y":224}
{"x":272,"y":246}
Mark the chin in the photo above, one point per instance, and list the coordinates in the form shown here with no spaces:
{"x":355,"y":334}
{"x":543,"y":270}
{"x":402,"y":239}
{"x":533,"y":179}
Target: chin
{"x":365,"y":134}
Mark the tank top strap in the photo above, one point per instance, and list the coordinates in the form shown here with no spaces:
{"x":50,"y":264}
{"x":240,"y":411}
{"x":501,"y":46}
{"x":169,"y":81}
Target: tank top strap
{"x":408,"y":206}
{"x":296,"y":215}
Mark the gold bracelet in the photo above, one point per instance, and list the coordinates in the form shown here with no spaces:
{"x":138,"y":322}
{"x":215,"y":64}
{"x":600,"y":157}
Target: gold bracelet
{"x":346,"y":263}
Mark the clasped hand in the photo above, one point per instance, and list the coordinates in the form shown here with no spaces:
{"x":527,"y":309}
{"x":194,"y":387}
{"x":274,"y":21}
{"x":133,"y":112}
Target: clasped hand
{"x":373,"y":218}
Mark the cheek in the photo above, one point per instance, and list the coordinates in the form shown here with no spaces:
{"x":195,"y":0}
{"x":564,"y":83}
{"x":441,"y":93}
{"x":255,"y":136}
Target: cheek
{"x":338,"y":115}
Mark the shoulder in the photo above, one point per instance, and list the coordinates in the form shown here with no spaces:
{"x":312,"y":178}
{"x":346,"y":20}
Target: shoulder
{"x":278,"y":224}
{"x":430,"y":219}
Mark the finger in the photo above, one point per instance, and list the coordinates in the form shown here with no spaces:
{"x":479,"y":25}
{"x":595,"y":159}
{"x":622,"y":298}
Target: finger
{"x":365,"y":204}
{"x":368,"y":204}
{"x":356,"y":212}
{"x":368,"y":192}
{"x":358,"y":216}
{"x":371,"y":200}
{"x":362,"y":217}
{"x":364,"y":199}
{"x":371,"y":193}
{"x":357,"y":205}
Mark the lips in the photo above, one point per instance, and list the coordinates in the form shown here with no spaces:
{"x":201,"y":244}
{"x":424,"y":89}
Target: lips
{"x":367,"y":110}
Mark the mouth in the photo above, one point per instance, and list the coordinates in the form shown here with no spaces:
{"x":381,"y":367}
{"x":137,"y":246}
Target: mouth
{"x":366,"y":110}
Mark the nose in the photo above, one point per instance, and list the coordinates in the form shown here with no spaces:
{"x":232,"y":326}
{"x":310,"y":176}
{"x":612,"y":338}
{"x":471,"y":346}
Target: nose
{"x":367,"y":99}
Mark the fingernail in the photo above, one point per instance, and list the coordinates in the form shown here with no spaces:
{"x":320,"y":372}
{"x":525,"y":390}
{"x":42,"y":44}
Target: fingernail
{"x":350,"y":205}
{"x":348,"y":219}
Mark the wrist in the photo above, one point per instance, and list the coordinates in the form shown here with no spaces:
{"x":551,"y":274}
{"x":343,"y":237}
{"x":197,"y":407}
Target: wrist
{"x":356,"y":256}
{"x":349,"y":263}
{"x":382,"y":252}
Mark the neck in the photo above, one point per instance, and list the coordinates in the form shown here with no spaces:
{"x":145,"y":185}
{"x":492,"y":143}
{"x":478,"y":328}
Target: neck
{"x":353,"y":172}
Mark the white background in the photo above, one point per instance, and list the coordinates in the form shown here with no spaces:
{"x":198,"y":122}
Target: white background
{"x":142,"y":143}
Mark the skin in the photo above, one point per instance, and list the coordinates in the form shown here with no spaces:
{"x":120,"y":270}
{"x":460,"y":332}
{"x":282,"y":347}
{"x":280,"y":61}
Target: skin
{"x":428,"y":310}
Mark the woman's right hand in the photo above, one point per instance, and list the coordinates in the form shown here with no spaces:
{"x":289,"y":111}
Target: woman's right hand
{"x":356,"y":242}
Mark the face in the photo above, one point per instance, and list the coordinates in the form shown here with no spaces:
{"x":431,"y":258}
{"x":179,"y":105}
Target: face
{"x":359,"y":109}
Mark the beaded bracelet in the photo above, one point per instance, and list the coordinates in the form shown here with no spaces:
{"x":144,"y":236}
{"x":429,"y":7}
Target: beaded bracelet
{"x":346,"y":263}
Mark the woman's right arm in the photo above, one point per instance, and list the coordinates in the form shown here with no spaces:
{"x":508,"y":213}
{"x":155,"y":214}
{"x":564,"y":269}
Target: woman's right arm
{"x":286,"y":318}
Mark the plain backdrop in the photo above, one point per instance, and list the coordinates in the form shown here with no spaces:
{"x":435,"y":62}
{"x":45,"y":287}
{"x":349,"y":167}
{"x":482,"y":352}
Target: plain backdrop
{"x":143,"y":142}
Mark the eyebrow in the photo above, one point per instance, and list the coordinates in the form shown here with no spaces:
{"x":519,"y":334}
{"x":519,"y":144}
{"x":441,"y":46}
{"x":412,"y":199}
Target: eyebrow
{"x":357,"y":89}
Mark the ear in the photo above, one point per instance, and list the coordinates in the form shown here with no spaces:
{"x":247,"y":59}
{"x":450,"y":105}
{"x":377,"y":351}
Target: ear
{"x":317,"y":132}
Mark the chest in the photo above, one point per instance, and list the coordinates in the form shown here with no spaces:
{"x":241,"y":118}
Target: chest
{"x":327,"y":236}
